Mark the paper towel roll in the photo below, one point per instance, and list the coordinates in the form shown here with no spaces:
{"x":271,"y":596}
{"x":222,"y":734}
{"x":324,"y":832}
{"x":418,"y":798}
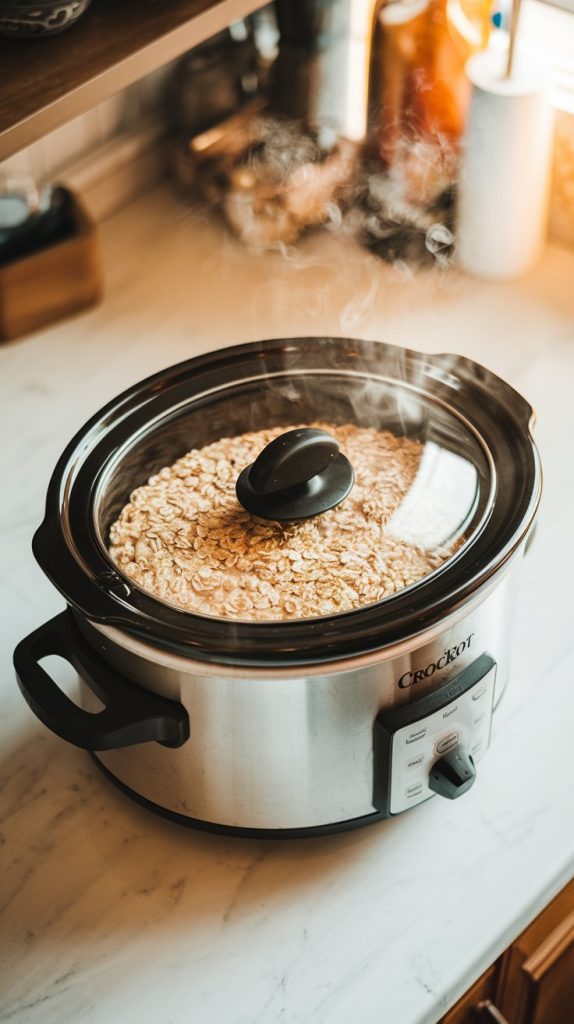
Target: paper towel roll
{"x":505,"y":167}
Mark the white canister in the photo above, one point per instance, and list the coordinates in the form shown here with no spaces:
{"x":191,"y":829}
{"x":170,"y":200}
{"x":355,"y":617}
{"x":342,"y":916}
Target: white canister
{"x":505,"y":167}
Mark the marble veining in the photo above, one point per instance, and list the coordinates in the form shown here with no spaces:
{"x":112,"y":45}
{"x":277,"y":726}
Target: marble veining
{"x":110,"y":914}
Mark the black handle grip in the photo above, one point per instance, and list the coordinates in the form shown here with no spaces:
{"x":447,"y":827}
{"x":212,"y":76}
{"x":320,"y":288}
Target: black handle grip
{"x":297,"y":475}
{"x":131,"y":714}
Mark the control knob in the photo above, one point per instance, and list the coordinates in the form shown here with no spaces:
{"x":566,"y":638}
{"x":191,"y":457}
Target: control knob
{"x":453,"y":774}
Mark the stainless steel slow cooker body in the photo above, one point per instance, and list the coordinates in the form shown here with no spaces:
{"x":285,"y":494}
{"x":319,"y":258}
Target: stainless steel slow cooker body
{"x":291,"y":727}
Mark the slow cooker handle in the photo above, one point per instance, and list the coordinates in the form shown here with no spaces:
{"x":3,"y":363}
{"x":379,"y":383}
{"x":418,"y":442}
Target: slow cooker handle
{"x":131,"y":714}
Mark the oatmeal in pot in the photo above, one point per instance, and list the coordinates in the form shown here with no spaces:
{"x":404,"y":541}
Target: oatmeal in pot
{"x":185,"y":538}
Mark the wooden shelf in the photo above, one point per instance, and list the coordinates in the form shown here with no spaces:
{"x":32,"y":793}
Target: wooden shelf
{"x":46,"y":82}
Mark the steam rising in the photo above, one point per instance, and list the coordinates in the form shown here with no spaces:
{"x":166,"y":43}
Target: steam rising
{"x":352,"y":128}
{"x":273,"y":179}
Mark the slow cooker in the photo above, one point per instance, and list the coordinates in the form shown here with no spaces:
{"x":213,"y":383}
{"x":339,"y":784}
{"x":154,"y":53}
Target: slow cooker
{"x":299,"y":726}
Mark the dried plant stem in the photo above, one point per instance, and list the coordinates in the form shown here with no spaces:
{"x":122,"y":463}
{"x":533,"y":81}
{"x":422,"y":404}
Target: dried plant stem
{"x":514,"y":16}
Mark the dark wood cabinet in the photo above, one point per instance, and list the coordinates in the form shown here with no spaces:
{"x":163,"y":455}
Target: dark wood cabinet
{"x":536,"y":984}
{"x":533,"y":981}
{"x":467,"y":1011}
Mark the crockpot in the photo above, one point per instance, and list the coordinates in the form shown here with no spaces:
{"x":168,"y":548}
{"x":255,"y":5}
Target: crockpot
{"x":302,"y":726}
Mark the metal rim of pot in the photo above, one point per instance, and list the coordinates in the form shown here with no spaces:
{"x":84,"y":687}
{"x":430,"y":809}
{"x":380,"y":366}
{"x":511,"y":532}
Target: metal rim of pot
{"x":93,"y":471}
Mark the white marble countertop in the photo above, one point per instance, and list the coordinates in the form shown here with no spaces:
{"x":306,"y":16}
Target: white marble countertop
{"x":110,"y":914}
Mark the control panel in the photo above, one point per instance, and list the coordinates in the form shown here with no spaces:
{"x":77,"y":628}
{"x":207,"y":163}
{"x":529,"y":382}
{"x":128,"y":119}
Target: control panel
{"x":433,"y":744}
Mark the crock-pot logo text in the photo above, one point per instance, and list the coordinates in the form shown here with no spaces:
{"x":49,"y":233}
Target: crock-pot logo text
{"x":410,"y":678}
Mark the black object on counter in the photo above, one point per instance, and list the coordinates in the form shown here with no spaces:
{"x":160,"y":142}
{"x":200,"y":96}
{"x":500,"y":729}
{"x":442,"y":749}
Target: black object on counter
{"x":26,"y":228}
{"x":215,"y":79}
{"x":297,"y":475}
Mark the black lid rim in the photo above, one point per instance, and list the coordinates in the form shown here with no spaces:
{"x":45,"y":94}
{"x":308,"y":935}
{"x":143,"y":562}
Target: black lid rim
{"x":72,"y":557}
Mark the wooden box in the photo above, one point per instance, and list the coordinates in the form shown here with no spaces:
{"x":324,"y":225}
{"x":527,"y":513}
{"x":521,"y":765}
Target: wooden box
{"x":45,"y":286}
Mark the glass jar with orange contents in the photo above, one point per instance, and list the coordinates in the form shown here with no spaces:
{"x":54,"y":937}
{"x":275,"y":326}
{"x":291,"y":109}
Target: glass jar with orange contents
{"x":418,"y":100}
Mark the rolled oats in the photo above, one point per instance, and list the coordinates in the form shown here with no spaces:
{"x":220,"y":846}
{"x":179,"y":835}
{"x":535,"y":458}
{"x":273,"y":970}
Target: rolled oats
{"x":185,"y":538}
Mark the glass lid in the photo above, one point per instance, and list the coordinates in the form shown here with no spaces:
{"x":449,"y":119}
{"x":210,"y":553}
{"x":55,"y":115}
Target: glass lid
{"x":293,"y":496}
{"x":291,"y":501}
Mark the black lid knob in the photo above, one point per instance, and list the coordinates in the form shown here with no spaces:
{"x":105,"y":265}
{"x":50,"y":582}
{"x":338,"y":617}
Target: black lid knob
{"x":453,"y":774}
{"x":298,"y":475}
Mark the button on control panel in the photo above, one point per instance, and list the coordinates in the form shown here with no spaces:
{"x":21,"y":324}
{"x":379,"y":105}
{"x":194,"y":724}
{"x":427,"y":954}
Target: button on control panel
{"x":409,"y":740}
{"x":447,"y":742}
